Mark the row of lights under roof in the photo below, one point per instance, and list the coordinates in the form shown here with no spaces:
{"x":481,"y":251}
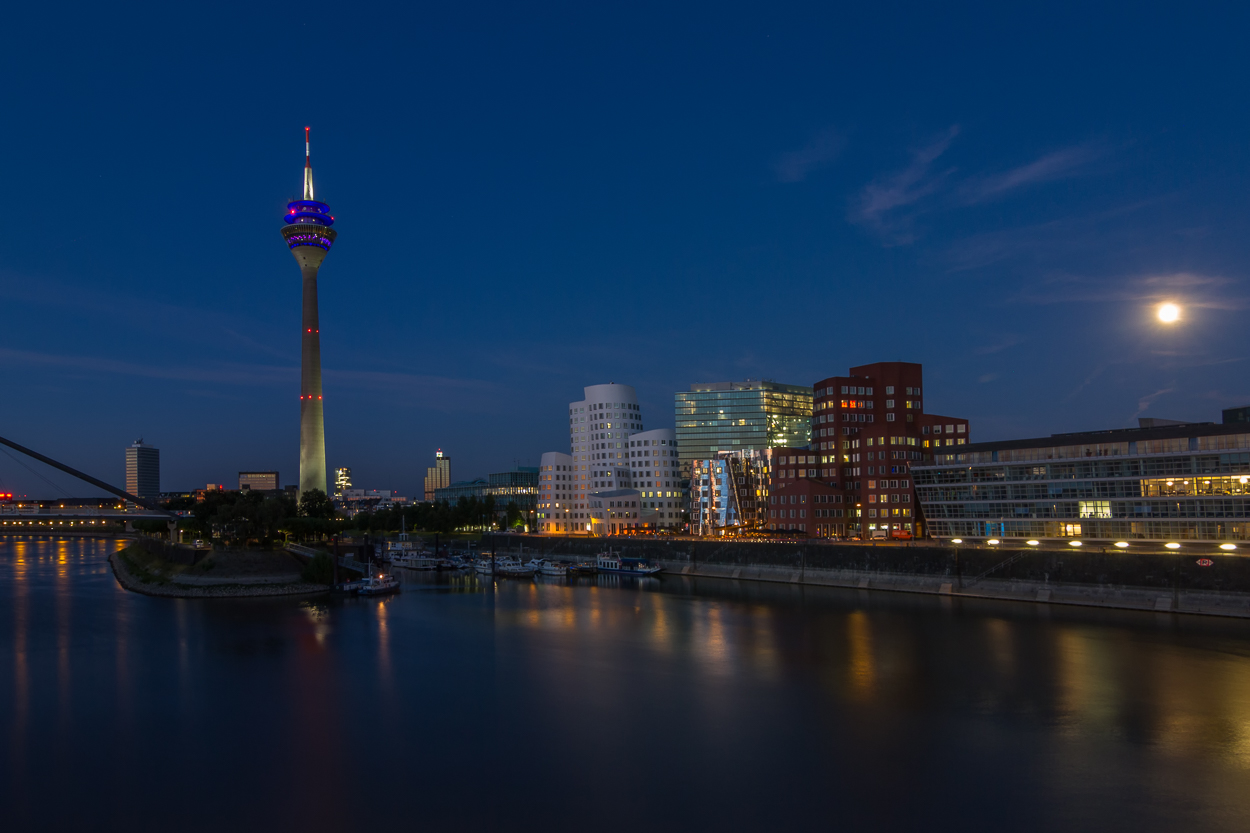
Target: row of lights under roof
{"x":1172,"y":545}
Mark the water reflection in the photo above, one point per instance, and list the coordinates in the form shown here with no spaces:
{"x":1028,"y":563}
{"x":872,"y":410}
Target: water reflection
{"x":791,"y":690}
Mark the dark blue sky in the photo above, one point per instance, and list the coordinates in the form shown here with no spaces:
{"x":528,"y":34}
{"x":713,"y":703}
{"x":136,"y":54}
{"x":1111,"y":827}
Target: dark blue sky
{"x":534,"y":199}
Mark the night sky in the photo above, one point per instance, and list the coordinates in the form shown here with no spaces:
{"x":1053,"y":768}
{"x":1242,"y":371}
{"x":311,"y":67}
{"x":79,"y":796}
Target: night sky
{"x":532,"y":199}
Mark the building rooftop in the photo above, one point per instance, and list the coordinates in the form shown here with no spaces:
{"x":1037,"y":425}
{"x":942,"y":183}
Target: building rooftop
{"x":1111,"y":435}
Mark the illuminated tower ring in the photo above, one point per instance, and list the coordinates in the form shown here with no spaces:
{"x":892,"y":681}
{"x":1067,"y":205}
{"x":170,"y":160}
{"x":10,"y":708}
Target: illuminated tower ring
{"x":308,"y":234}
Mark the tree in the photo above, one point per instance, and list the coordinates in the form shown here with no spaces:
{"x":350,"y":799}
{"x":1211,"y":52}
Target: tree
{"x":314,"y":503}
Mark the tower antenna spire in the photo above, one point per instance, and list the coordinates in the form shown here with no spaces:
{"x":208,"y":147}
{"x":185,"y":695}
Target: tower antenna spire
{"x":308,"y":183}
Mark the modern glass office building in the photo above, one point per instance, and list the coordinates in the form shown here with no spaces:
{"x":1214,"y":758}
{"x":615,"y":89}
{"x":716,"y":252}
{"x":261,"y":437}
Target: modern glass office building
{"x":1166,"y":483}
{"x":519,"y":486}
{"x":741,"y":416}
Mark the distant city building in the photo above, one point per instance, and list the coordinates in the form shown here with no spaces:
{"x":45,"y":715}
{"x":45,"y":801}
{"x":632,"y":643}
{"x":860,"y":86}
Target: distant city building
{"x":1237,"y":415}
{"x":1171,"y":483}
{"x":143,"y":470}
{"x":519,"y":486}
{"x":740,"y":416}
{"x":355,"y":501}
{"x":342,"y":482}
{"x":870,"y":428}
{"x":261,"y":481}
{"x":437,"y":476}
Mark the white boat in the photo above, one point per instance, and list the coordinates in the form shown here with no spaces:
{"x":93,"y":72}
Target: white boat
{"x":608,"y":562}
{"x":377,"y":585}
{"x":416,"y":561}
{"x":553,"y":568}
{"x":484,"y":566}
{"x":507,"y":565}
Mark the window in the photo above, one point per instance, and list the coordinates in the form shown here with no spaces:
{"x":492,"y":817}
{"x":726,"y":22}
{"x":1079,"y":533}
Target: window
{"x":889,"y":417}
{"x":962,"y":429}
{"x":889,"y":403}
{"x":950,"y":429}
{"x":889,"y":389}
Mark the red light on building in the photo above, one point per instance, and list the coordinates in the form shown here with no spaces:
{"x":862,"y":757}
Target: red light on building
{"x":1205,"y":562}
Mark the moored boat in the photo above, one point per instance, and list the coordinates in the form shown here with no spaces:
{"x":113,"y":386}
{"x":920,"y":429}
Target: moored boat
{"x":553,"y":568}
{"x":609,"y":562}
{"x":377,"y":585}
{"x":507,"y":565}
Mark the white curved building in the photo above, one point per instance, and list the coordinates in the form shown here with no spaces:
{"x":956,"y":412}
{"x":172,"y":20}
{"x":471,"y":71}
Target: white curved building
{"x":656,"y":473}
{"x":604,"y":457}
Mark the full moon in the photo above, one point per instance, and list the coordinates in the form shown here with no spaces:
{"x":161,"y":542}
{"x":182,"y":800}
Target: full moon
{"x":1169,"y":313}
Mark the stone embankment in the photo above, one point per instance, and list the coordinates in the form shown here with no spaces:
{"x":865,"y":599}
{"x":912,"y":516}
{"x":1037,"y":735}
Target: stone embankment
{"x":135,"y":576}
{"x":1159,"y":582}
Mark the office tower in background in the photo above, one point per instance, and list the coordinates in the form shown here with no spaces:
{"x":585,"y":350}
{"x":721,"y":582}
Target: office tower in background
{"x":437,"y":476}
{"x":143,"y":470}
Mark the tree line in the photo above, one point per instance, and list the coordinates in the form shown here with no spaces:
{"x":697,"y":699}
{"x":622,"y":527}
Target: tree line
{"x":246,"y":516}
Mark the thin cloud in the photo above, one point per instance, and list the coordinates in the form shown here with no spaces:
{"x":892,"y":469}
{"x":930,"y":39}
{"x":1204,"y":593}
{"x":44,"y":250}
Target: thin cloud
{"x":1050,"y":239}
{"x":1147,"y":400}
{"x":1186,"y":288}
{"x":988,"y":377}
{"x":795,"y":165}
{"x":1057,"y":165}
{"x":881,"y":198}
{"x":1004,"y":344}
{"x":249,"y":375}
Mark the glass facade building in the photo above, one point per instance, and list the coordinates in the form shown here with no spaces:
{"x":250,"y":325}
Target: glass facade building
{"x":1173,"y":483}
{"x":740,"y":416}
{"x":519,"y":486}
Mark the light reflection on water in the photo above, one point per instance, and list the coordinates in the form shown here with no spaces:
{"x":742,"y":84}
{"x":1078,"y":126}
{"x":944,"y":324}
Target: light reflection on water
{"x":873,"y":707}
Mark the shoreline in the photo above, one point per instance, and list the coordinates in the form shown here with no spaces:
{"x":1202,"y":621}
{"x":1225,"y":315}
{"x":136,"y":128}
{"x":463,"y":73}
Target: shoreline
{"x":173,"y":590}
{"x":1233,"y":605}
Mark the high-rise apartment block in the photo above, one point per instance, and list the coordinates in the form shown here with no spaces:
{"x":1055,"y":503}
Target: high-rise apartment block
{"x":740,"y":416}
{"x":437,"y":476}
{"x":264,"y":481}
{"x":143,"y":470}
{"x":868,"y":429}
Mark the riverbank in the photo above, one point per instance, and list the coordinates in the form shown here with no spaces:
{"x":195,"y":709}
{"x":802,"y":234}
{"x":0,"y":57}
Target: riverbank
{"x":1146,"y":582}
{"x":1143,"y":599}
{"x":228,"y":575}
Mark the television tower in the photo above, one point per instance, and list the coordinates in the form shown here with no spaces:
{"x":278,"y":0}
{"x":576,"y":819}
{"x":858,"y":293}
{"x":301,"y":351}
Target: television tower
{"x":308,"y":234}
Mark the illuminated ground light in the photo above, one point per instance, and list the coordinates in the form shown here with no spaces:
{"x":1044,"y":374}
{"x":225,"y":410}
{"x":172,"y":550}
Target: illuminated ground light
{"x":1169,"y":313}
{"x":1173,"y":546}
{"x":1121,"y":544}
{"x":1228,"y":546}
{"x":957,"y":540}
{"x":1032,"y":543}
{"x":993,"y":541}
{"x":1074,"y":543}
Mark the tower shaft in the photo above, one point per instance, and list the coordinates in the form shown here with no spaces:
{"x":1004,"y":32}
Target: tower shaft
{"x":309,"y":236}
{"x":312,"y":432}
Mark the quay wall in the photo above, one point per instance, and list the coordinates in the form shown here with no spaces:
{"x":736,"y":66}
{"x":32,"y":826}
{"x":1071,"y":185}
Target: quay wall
{"x":1147,"y":581}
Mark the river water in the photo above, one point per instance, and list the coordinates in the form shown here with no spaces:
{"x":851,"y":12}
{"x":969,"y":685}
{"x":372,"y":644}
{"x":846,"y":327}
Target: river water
{"x":670,"y":704}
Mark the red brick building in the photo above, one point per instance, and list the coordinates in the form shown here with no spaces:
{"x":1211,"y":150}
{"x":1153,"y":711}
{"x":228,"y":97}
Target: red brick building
{"x":868,"y":427}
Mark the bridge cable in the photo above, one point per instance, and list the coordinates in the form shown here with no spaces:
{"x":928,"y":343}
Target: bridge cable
{"x":35,"y":473}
